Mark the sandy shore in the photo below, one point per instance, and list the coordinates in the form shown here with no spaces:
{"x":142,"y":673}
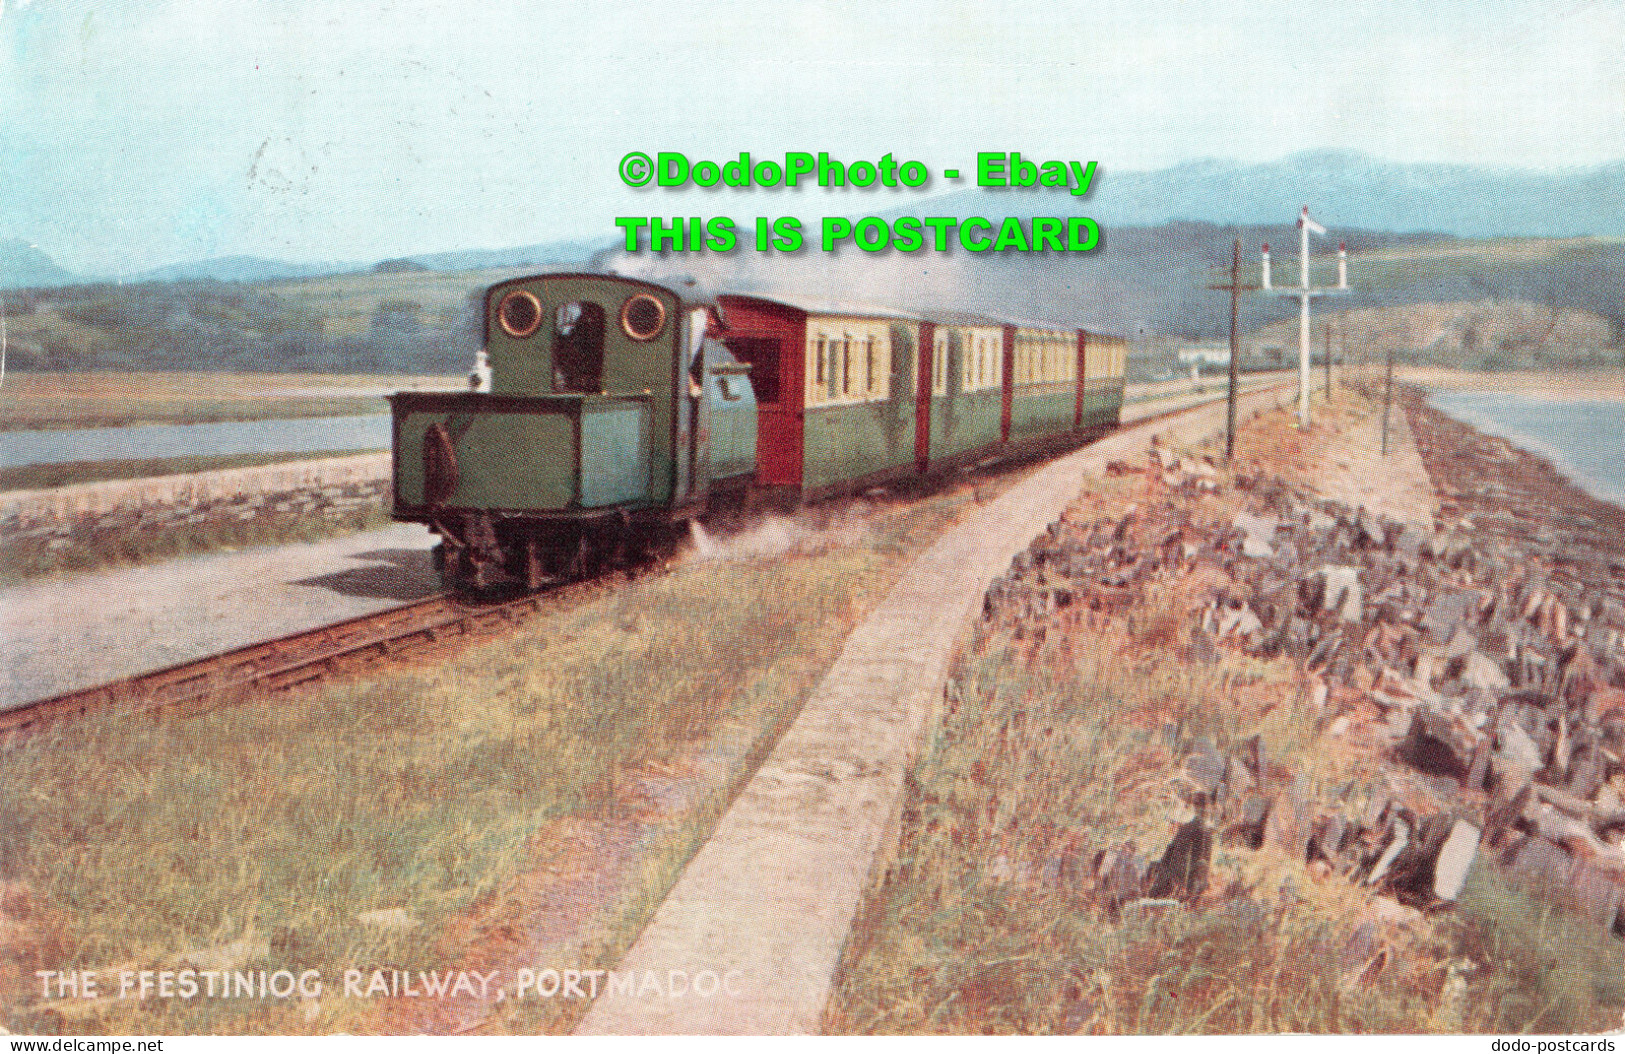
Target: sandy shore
{"x":1589,"y":384}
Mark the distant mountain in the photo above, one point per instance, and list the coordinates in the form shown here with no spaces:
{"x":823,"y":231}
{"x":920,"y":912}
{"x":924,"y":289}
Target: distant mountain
{"x":239,"y":269}
{"x":576,"y":251}
{"x":1157,"y":279}
{"x":1343,"y":190}
{"x":23,"y":266}
{"x":259,"y":269}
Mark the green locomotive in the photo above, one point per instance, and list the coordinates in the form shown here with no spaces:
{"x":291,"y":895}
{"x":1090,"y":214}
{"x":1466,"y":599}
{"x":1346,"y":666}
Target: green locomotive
{"x":609,"y":409}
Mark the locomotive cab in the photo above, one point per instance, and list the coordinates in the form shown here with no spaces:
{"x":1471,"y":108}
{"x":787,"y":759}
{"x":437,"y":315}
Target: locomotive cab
{"x":593,"y":429}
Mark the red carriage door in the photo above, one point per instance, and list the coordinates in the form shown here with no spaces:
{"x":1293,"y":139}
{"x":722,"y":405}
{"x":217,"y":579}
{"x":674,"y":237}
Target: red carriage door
{"x":771,"y":338}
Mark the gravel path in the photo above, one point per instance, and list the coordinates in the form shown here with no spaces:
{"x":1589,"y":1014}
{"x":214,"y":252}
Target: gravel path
{"x":62,"y":634}
{"x":1395,"y":485}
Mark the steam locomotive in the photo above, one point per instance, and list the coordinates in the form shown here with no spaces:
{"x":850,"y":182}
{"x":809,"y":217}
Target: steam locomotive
{"x":608,"y":410}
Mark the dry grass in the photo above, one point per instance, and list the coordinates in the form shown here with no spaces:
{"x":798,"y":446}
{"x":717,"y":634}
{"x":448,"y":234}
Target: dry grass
{"x":23,"y":559}
{"x":430,"y":790}
{"x":1055,"y":748}
{"x":1047,"y":757}
{"x":1044,"y":760}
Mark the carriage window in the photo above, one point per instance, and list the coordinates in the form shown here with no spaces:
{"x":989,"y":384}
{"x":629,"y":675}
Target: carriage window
{"x":819,"y":358}
{"x":578,"y":347}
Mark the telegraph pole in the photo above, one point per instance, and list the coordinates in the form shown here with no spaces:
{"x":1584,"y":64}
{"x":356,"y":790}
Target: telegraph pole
{"x":1387,"y":399}
{"x":1235,"y":287}
{"x":1305,"y":293}
{"x":1326,"y":340}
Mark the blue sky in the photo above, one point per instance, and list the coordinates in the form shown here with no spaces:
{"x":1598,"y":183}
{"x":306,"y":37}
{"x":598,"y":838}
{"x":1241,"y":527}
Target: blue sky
{"x":135,"y":133}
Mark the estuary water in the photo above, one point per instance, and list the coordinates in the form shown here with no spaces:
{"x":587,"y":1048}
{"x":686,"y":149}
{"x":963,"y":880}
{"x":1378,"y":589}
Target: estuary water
{"x":286,"y":435}
{"x":1583,"y":438}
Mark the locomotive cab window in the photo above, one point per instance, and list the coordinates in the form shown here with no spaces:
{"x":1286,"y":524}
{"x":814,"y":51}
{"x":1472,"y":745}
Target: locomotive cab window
{"x":520,"y":314}
{"x":643,"y":317}
{"x":578,"y":347}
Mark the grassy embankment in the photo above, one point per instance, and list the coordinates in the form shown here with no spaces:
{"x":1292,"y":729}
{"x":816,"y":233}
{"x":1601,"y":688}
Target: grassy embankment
{"x":1071,"y":746}
{"x":394,"y":321}
{"x":443,"y":791}
{"x":109,"y":400}
{"x":68,"y":473}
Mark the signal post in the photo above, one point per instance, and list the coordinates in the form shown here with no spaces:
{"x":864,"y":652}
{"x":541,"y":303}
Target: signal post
{"x":1304,"y":292}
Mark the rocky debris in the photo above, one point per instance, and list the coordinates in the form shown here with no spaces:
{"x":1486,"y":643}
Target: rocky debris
{"x":1194,"y":475}
{"x":1518,"y":498}
{"x":388,"y":919}
{"x":1120,"y":876}
{"x":1181,"y":872}
{"x":1490,"y":662}
{"x":1258,"y":534}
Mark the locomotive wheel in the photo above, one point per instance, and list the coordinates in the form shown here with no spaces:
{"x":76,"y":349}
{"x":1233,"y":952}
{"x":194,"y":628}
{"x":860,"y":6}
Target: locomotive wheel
{"x":580,"y":565}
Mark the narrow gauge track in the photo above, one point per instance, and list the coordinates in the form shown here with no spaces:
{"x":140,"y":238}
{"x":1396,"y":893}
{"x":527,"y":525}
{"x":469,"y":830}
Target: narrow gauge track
{"x":350,"y":646}
{"x":296,"y":659}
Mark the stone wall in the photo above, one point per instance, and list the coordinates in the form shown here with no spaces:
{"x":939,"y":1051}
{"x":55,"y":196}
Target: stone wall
{"x":119,"y":511}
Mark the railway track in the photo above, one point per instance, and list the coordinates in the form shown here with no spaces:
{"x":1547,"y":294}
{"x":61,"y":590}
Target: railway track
{"x":289,"y":661}
{"x":350,"y":646}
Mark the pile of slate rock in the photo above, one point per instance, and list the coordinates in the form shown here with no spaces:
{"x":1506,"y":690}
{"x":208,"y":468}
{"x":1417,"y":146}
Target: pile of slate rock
{"x":1493,"y":681}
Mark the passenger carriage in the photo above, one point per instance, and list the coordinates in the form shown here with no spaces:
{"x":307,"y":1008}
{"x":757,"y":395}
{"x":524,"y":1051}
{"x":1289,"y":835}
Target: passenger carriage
{"x":850,"y":395}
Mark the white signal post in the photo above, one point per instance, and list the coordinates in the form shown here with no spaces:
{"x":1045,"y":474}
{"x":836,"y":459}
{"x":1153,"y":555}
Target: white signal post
{"x":1304,"y":292}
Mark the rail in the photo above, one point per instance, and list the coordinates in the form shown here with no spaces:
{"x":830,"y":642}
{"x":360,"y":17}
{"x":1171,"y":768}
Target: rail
{"x":284,"y":662}
{"x":341,"y":647}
